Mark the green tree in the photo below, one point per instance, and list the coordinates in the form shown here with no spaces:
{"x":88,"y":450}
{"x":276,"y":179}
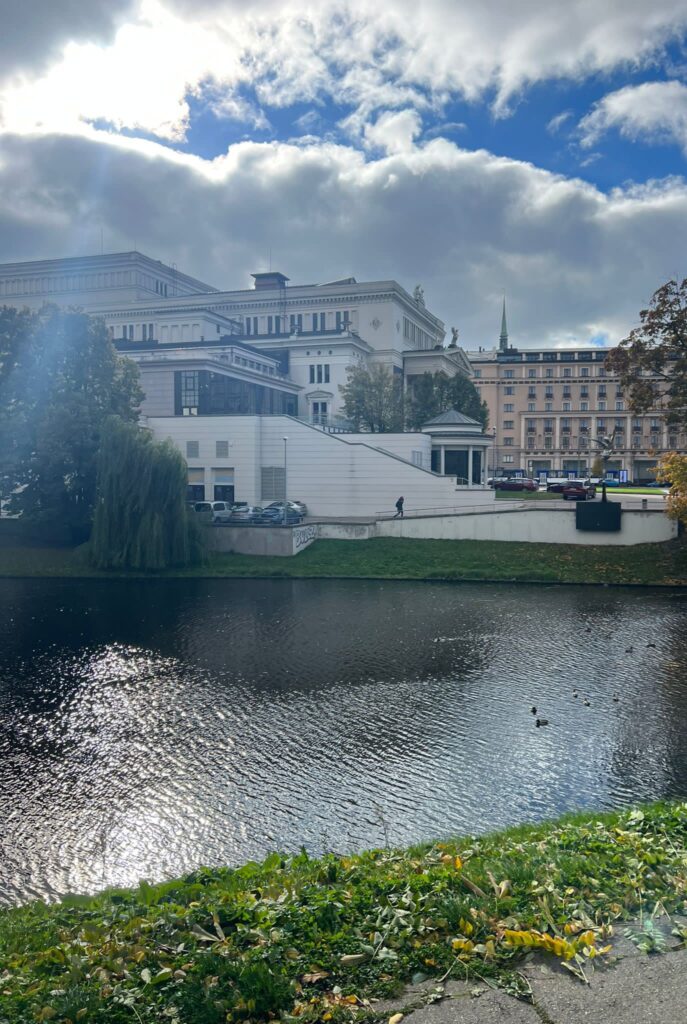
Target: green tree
{"x":651,"y":362}
{"x":373,"y":399}
{"x":60,"y":378}
{"x":141,"y":517}
{"x":434,"y":393}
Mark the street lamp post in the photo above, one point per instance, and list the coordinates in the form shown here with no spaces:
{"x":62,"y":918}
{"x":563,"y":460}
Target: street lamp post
{"x":286,"y":492}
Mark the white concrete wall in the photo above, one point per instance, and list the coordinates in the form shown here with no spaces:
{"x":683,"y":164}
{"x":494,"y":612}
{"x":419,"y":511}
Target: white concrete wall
{"x":334,"y":474}
{"x":541,"y":526}
{"x":402,"y":445}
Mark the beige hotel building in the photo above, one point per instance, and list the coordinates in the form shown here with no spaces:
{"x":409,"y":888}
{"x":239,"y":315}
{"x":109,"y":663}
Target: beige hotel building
{"x":546,"y":407}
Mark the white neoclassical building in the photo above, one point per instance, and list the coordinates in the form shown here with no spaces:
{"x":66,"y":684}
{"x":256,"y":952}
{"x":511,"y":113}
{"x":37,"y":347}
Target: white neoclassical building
{"x":223,"y":370}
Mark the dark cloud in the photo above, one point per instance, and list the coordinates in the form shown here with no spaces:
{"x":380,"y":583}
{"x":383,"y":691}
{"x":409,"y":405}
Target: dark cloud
{"x":32,"y":32}
{"x":468,"y":226}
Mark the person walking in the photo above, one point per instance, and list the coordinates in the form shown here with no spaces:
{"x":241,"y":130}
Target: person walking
{"x":399,"y":508}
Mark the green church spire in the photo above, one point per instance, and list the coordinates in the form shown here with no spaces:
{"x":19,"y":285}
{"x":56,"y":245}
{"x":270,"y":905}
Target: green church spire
{"x":503,"y":337}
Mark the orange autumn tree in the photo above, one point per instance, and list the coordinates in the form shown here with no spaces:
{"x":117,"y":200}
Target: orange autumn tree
{"x":673,"y":469}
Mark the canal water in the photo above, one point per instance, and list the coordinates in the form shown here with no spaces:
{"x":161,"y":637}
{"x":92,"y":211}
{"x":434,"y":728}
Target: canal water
{"x":147,"y":727}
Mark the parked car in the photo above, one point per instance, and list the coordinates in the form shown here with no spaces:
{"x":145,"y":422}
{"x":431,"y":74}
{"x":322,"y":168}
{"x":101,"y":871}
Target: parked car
{"x":579,"y":490}
{"x":279,"y":516}
{"x":295,"y":506}
{"x":201,"y":506}
{"x":555,"y":484}
{"x":245,"y":513}
{"x":221,"y":511}
{"x":611,"y":482}
{"x":515,"y":483}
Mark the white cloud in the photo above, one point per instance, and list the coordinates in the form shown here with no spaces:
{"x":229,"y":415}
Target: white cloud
{"x":651,"y":112}
{"x":365,"y":55}
{"x":557,"y":122}
{"x":573,"y":262}
{"x":394,"y":132}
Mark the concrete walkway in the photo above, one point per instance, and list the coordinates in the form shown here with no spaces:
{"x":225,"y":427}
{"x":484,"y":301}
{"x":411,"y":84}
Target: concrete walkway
{"x":632,"y":988}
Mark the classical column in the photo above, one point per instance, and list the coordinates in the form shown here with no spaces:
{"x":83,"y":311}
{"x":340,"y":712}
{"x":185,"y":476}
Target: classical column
{"x":470,"y":465}
{"x":441,"y":460}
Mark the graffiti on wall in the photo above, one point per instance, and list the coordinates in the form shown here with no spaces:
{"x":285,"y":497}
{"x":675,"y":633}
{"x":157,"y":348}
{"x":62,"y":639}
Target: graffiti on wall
{"x":304,"y":535}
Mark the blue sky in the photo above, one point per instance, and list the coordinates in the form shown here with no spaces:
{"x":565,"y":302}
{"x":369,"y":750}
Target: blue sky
{"x":536,"y":150}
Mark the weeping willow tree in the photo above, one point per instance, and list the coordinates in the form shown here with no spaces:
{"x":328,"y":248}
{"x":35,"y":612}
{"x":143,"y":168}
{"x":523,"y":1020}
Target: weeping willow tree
{"x":141,"y":517}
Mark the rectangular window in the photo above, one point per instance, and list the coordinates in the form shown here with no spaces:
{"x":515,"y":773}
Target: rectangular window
{"x":507,"y":458}
{"x":270,"y":325}
{"x":312,"y":373}
{"x":509,"y":391}
{"x":273,"y":483}
{"x":531,"y":373}
{"x":618,"y":406}
{"x":567,"y":372}
{"x":566,"y":406}
{"x":508,"y":424}
{"x":131,"y":332}
{"x":584,"y":406}
{"x":565,"y":442}
{"x":548,"y":406}
{"x":150,"y":332}
{"x":478,"y":373}
{"x":530,"y":442}
{"x":531,"y":407}
{"x":549,"y":371}
{"x":221,"y":449}
{"x":584,"y":372}
{"x":602,"y":405}
{"x":548,"y":441}
{"x":508,"y":441}
{"x":326,"y":373}
{"x":509,"y":374}
{"x":319,"y":373}
{"x":532,"y":393}
{"x":192,"y":449}
{"x":508,"y":407}
{"x":189,"y":392}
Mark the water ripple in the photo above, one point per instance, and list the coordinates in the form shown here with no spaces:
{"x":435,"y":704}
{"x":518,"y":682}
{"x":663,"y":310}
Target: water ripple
{"x":147,"y":728}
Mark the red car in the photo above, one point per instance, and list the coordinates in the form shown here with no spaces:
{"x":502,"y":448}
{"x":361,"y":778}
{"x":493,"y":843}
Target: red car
{"x":515,"y":483}
{"x":578,"y":490}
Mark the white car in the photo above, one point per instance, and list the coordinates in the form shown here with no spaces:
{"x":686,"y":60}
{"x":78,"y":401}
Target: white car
{"x":294,"y":506}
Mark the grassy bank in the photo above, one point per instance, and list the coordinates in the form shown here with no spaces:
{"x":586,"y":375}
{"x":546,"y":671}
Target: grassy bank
{"x":313,"y":939}
{"x":394,"y":558}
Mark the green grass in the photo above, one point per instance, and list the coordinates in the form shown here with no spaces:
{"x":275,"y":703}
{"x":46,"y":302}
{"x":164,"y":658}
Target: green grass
{"x":527,"y":496}
{"x":312,"y":939}
{"x":396,"y":558}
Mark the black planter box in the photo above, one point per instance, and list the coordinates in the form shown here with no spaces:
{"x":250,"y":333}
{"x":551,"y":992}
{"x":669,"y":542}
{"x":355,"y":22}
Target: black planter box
{"x":601,"y":516}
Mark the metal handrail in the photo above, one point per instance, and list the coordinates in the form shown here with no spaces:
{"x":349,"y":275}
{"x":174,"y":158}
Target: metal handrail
{"x":493,"y":506}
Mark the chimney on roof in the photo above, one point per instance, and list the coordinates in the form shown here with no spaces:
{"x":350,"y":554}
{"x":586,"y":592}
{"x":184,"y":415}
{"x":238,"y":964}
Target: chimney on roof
{"x":272,"y":279}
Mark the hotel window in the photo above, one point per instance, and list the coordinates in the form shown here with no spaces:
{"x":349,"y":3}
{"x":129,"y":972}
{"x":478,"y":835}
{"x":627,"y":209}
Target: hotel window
{"x":509,"y":391}
{"x":192,"y":449}
{"x":530,"y":442}
{"x":531,"y":373}
{"x":584,"y":372}
{"x":531,"y":406}
{"x":565,"y":442}
{"x":508,"y":424}
{"x":221,"y":449}
{"x":549,"y":371}
{"x":548,"y":406}
{"x":509,"y":374}
{"x":584,"y":406}
{"x":508,"y":441}
{"x":618,"y":406}
{"x":602,"y":405}
{"x":477,"y":373}
{"x":567,"y":372}
{"x":548,"y":441}
{"x":508,"y":407}
{"x":602,"y":390}
{"x":566,"y":406}
{"x":531,"y":392}
{"x":508,"y":458}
